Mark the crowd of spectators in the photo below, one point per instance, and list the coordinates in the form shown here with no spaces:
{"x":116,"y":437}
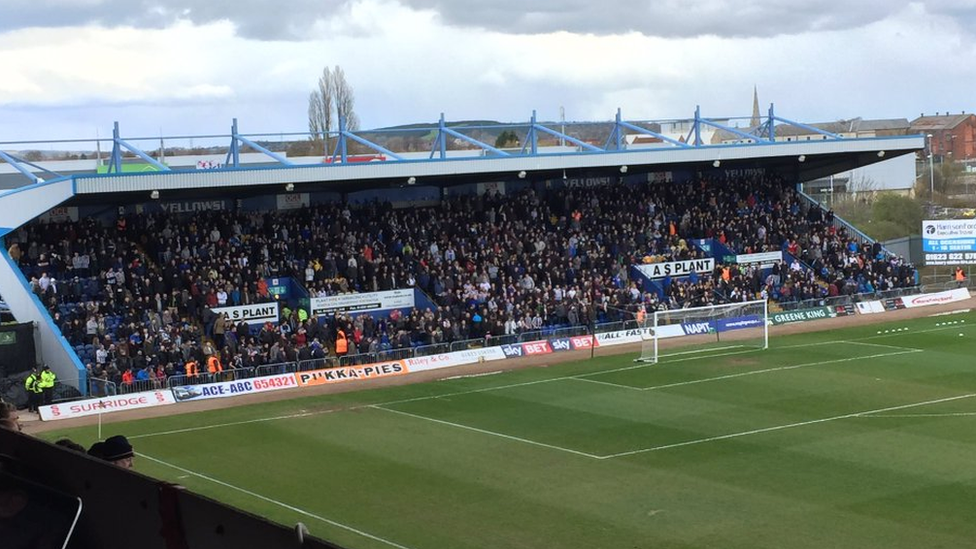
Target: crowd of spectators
{"x":138,"y":295}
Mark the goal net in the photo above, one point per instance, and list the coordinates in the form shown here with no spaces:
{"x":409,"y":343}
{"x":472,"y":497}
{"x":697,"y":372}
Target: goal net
{"x":715,"y":328}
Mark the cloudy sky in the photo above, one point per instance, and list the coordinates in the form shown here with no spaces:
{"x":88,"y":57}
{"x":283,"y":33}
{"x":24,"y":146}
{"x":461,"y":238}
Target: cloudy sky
{"x":71,"y":67}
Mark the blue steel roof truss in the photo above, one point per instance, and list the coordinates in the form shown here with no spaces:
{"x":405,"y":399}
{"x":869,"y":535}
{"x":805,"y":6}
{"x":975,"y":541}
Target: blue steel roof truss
{"x":764,"y":134}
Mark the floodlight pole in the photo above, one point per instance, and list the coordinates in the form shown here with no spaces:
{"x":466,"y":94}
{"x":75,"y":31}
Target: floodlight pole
{"x":931,"y":168}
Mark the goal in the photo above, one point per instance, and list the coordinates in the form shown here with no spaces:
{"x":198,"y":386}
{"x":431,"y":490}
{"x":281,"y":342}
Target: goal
{"x":715,"y":328}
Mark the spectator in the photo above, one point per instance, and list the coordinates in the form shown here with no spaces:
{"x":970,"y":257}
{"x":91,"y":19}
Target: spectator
{"x":9,"y":419}
{"x":115,"y":450}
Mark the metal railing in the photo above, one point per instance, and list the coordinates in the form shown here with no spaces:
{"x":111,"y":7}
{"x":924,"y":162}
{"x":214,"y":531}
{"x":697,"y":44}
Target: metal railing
{"x":66,"y":390}
{"x":848,"y":299}
{"x":230,"y":374}
{"x":554,"y":333}
{"x":840,"y":223}
{"x":138,"y":386}
{"x":432,"y":349}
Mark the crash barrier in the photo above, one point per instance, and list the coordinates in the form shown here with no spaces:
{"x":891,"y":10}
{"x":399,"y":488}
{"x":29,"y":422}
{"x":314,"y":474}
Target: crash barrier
{"x":852,"y":299}
{"x":329,"y":371}
{"x":230,"y":374}
{"x":68,"y":390}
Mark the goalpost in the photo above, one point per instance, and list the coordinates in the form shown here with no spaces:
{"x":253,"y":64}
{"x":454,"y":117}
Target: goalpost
{"x":704,"y":329}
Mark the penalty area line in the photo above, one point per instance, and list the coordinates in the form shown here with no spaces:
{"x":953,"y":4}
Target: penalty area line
{"x":486,"y":432}
{"x":273,"y":501}
{"x":866,"y":413}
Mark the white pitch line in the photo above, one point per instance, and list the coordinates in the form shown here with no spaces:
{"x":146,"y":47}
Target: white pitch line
{"x":659,"y":364}
{"x":707,"y":350}
{"x":751,"y":373}
{"x":524,"y":384}
{"x":470,"y":392}
{"x":947,"y":414}
{"x":607,"y":383}
{"x":486,"y":432}
{"x":778,"y":369}
{"x":233,"y":423}
{"x":782,"y":427}
{"x":882,"y":345}
{"x":275,"y":502}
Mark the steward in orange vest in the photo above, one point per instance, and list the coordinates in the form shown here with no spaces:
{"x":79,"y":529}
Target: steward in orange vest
{"x":342,"y":346}
{"x":213,"y":365}
{"x":192,"y":368}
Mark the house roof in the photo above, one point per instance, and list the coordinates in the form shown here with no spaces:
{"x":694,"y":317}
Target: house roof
{"x":930,"y":123}
{"x":883,"y":124}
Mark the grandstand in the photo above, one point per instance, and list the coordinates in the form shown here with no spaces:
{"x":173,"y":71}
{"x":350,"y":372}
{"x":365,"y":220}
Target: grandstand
{"x":130,"y":266}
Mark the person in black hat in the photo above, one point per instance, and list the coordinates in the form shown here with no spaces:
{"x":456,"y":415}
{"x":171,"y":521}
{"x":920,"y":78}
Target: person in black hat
{"x":115,"y":450}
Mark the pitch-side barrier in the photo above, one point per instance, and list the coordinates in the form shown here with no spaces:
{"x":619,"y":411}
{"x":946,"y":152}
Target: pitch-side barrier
{"x":313,"y":373}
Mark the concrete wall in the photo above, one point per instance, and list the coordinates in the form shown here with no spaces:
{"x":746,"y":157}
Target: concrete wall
{"x":16,"y":208}
{"x":909,"y":247}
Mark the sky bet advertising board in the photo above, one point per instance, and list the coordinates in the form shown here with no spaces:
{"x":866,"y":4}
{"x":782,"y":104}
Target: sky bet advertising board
{"x":949,"y":242}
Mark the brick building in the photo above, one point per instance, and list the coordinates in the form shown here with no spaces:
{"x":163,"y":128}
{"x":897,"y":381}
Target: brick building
{"x":953,"y":135}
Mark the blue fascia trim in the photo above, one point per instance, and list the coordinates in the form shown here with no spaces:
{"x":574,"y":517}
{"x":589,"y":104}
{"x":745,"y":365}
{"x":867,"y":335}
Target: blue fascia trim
{"x":5,"y":230}
{"x":82,"y":372}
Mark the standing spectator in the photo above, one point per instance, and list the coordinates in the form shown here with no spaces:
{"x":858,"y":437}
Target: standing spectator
{"x":342,"y":344}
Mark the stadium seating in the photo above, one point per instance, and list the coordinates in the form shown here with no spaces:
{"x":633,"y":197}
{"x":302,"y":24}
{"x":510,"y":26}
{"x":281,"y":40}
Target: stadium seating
{"x":494,"y":264}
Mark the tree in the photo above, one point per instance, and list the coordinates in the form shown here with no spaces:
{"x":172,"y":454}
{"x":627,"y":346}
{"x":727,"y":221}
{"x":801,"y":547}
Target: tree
{"x":345,"y":99}
{"x":894,"y":216}
{"x":947,"y":175}
{"x":332,"y":98}
{"x":507,"y":139}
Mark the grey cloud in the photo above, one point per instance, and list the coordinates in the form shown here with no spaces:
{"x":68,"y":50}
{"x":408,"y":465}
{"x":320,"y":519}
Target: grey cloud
{"x":258,"y":19}
{"x":678,"y":18}
{"x":294,"y":19}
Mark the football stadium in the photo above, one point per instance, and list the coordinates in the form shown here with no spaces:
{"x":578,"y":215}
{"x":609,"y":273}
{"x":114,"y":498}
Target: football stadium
{"x":695,"y":332}
{"x":573,"y":346}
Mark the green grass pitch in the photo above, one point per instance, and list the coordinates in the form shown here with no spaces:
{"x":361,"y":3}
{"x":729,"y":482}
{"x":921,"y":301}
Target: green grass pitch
{"x":843,"y":438}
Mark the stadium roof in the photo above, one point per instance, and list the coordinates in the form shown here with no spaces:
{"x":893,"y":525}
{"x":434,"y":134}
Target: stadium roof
{"x":806,"y":159}
{"x":463,"y":154}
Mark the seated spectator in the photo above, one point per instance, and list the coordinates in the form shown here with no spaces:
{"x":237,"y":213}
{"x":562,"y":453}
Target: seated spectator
{"x":115,"y":450}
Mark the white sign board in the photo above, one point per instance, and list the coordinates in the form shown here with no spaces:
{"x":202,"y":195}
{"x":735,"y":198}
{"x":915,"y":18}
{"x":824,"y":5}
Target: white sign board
{"x":105,"y":405}
{"x":292,"y":201}
{"x":677,"y":268}
{"x":363,"y":303}
{"x":255,"y":314}
{"x":940,"y":298}
{"x":870,"y":307}
{"x":765,"y":259}
{"x":447,"y":360}
{"x":240,"y":387}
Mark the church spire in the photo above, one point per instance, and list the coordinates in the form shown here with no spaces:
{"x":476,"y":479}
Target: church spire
{"x":755,"y":108}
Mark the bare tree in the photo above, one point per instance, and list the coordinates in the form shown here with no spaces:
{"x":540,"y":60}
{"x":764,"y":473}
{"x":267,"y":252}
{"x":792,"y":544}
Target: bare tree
{"x":332,"y":99}
{"x":321,"y":103}
{"x":345,"y":99}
